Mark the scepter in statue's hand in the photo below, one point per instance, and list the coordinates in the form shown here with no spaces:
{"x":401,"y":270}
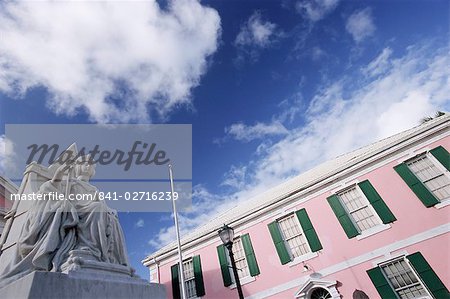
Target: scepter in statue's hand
{"x":59,"y":173}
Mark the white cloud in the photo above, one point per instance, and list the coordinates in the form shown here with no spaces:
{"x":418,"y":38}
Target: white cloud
{"x":326,"y":97}
{"x":140,"y":223}
{"x":256,"y":34}
{"x":360,"y":25}
{"x":343,"y":116}
{"x":6,"y":156}
{"x":291,"y":106}
{"x":205,"y":206}
{"x":317,"y":54}
{"x":235,"y":177}
{"x":246,"y":133}
{"x":315,"y":10}
{"x":417,"y":103}
{"x":379,"y":65}
{"x":118,"y":61}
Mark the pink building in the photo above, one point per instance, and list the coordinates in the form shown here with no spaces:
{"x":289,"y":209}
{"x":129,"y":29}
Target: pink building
{"x":6,"y":188}
{"x":373,"y":222}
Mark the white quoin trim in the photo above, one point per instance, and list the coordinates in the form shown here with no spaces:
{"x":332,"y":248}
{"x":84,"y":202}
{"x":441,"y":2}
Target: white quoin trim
{"x":317,"y":283}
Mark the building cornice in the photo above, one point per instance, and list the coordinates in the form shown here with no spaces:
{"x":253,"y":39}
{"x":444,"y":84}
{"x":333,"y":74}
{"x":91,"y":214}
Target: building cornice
{"x":354,"y":165}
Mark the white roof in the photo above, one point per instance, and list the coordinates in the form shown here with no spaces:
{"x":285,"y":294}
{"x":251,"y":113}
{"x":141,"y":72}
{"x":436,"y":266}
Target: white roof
{"x":299,"y":182}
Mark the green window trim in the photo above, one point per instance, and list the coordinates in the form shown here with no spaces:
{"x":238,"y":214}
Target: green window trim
{"x":175,"y":282}
{"x":442,"y":155}
{"x":421,"y":191}
{"x":423,"y":270}
{"x":308,"y":230}
{"x":250,"y":255}
{"x":428,"y":276}
{"x":222,"y":252}
{"x":278,"y":241}
{"x":377,"y":202}
{"x":344,"y":219}
{"x":381,"y":284}
{"x":223,"y":261}
{"x":198,"y":275}
{"x":374,"y":199}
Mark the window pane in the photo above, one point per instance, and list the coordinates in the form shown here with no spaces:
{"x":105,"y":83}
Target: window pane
{"x":429,"y":174}
{"x":189,"y":278}
{"x":240,"y":259}
{"x":403,"y":279}
{"x":293,"y":235}
{"x":359,"y":209}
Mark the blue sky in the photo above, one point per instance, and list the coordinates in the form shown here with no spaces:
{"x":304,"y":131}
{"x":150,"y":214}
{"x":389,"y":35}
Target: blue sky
{"x":271,"y":88}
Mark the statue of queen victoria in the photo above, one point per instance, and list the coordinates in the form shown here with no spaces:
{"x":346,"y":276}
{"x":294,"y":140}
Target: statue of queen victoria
{"x":61,"y":233}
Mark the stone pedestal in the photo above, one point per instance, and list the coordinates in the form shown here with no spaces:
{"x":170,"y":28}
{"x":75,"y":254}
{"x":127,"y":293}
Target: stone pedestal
{"x":96,"y":268}
{"x":40,"y":285}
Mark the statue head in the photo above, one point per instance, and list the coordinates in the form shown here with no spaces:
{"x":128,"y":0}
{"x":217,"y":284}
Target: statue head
{"x":84,"y":168}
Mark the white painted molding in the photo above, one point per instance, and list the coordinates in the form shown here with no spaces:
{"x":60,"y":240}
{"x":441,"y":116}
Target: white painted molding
{"x":317,"y":283}
{"x":443,"y":204}
{"x":345,"y":185}
{"x":243,"y":281}
{"x":303,"y":258}
{"x":373,"y":231}
{"x":389,"y":256}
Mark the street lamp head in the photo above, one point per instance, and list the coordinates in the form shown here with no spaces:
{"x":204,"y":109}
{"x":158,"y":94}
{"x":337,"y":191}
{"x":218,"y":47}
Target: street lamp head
{"x":226,"y":234}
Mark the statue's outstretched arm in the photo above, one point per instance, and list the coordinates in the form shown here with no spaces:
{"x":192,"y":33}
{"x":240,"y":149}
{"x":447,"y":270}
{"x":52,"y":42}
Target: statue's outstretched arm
{"x":59,"y":173}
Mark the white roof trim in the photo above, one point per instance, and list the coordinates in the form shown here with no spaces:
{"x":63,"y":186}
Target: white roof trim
{"x":306,"y":180}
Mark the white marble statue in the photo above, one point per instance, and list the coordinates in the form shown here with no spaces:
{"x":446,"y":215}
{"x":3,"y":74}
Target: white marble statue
{"x":55,"y":229}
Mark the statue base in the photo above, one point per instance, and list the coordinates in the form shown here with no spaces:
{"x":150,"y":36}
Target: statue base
{"x":85,"y":285}
{"x":81,"y":263}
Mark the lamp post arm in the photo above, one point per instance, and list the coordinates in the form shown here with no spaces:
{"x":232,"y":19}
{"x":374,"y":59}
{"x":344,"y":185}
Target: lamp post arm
{"x":236,"y":276}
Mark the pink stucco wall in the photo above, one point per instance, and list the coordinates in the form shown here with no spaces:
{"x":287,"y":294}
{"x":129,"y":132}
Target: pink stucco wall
{"x":412,"y":218}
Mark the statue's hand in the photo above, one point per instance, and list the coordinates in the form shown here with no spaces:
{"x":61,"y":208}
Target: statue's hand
{"x":59,"y":173}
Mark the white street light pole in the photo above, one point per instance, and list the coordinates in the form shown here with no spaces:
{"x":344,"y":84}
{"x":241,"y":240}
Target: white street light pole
{"x":177,"y":229}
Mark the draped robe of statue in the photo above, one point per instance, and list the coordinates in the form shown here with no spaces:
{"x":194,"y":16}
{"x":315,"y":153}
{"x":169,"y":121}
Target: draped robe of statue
{"x":55,"y":227}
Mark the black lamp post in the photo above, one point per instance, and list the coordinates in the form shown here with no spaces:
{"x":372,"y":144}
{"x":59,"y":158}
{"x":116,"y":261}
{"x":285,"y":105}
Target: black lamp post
{"x":226,"y":234}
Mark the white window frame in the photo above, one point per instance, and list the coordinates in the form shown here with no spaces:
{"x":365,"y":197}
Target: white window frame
{"x":380,"y":265}
{"x":241,"y":259}
{"x":439,"y":166}
{"x":190,"y":259}
{"x":245,"y":279}
{"x":154,"y":273}
{"x":366,"y":232}
{"x":300,"y":258}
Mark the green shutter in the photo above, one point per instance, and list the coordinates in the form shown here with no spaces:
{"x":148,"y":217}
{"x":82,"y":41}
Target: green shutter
{"x":341,"y":214}
{"x":175,"y":282}
{"x":283,"y":254}
{"x":222,"y":253}
{"x":422,"y":192}
{"x":308,"y":229}
{"x":377,"y":202}
{"x":198,"y":275}
{"x":381,"y":284}
{"x":442,"y":156}
{"x":250,"y":255}
{"x":428,"y":276}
